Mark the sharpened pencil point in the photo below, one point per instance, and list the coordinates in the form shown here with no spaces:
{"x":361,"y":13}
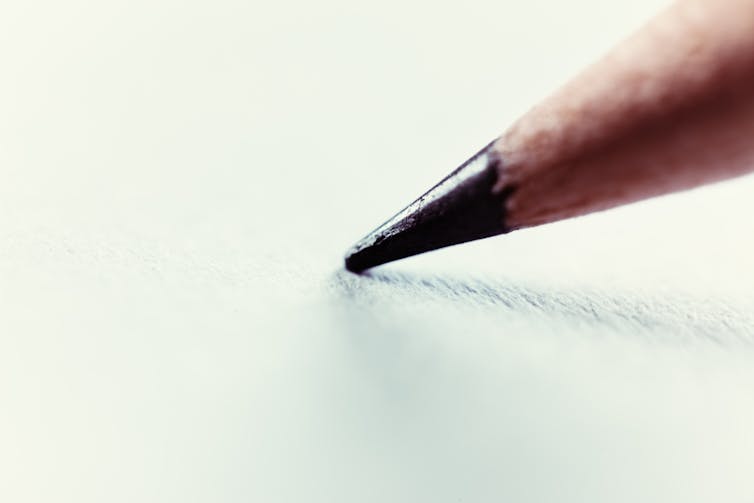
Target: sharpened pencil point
{"x":461,"y":208}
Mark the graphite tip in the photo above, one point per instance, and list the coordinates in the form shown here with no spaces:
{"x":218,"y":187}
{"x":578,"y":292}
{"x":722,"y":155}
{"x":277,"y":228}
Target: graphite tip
{"x":462,"y":207}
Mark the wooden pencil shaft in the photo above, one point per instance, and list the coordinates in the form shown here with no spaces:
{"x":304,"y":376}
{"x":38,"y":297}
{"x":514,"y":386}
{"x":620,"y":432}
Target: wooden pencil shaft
{"x":670,"y":108}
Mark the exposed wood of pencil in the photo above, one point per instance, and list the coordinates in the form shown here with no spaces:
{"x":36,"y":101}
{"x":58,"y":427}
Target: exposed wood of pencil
{"x":670,"y":108}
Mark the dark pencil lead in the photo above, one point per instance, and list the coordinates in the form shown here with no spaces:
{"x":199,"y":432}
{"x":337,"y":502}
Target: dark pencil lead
{"x":461,"y":208}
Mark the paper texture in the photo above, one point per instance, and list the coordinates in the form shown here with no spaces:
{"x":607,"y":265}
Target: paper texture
{"x":178,"y":183}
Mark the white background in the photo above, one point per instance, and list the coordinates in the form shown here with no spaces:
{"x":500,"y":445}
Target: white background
{"x":178,"y":183}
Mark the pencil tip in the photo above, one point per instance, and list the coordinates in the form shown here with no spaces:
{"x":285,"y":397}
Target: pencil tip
{"x":461,"y":208}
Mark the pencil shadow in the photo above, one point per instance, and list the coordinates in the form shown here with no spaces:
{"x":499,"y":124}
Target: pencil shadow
{"x":668,"y":317}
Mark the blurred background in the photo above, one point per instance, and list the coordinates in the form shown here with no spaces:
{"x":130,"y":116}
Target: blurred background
{"x":178,"y":184}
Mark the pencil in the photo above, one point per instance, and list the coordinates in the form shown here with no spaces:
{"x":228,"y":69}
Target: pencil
{"x":668,"y":109}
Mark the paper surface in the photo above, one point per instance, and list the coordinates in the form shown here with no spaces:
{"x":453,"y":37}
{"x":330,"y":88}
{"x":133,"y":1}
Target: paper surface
{"x":178,"y":183}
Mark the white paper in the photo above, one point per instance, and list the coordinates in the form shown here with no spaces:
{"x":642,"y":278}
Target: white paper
{"x":178,"y":183}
